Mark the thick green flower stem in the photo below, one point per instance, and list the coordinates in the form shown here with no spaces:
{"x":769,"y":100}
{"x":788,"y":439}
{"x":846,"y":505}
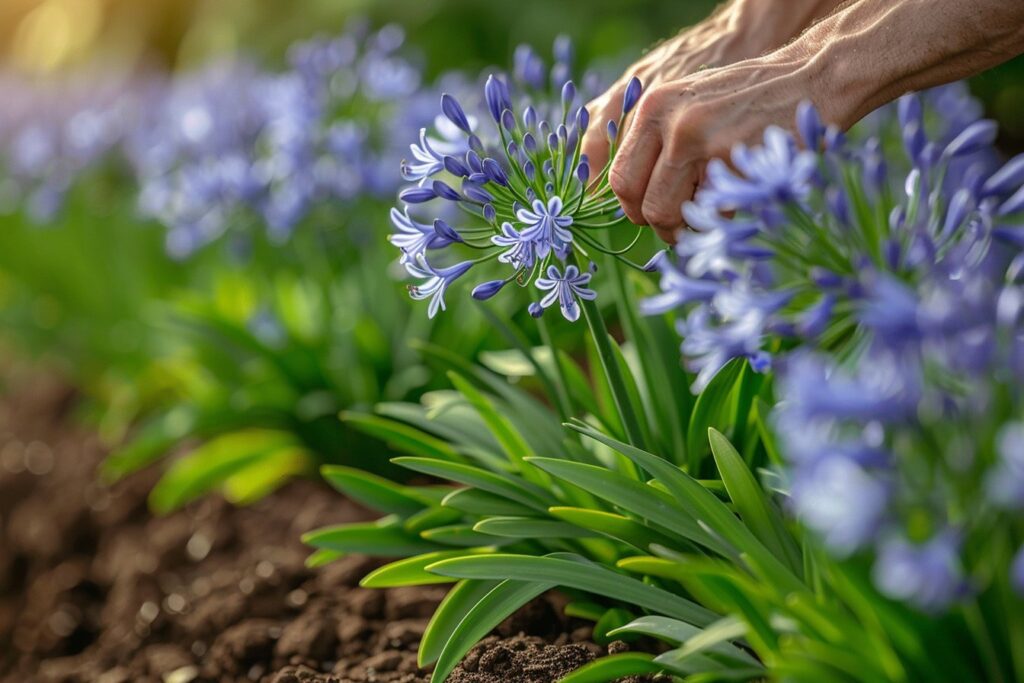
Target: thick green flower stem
{"x":612,"y":371}
{"x":560,"y":384}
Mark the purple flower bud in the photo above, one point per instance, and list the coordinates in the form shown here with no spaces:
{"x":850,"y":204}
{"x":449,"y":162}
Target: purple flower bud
{"x":535,"y":309}
{"x":560,"y":73}
{"x":549,"y":188}
{"x":930,"y":155}
{"x":417,"y":195}
{"x":913,"y":182}
{"x":809,"y":125}
{"x":825,"y":279}
{"x":446,"y":191}
{"x":835,"y":139}
{"x":495,"y":173}
{"x":552,"y":142}
{"x":494,"y":94}
{"x":568,"y":94}
{"x":583,"y":172}
{"x":1006,"y":179}
{"x":632,"y":95}
{"x":486,"y":290}
{"x":453,"y":110}
{"x":974,"y":137}
{"x":530,"y":143}
{"x":544,"y":129}
{"x":563,"y":132}
{"x":959,"y":206}
{"x":548,"y":167}
{"x":1017,"y":572}
{"x":582,"y":119}
{"x":512,"y":150}
{"x":508,"y":121}
{"x":613,"y":131}
{"x":530,"y":117}
{"x":655,"y":262}
{"x":1014,"y":204}
{"x":478,"y":178}
{"x":816,"y":319}
{"x":446,"y":231}
{"x":908,"y":110}
{"x":563,"y":49}
{"x":892,"y":253}
{"x":489,"y":213}
{"x":838,"y":205}
{"x":476,"y":193}
{"x":528,"y":67}
{"x":473,"y":161}
{"x":529,"y":170}
{"x":475,"y":144}
{"x":913,"y":140}
{"x":454,"y":166}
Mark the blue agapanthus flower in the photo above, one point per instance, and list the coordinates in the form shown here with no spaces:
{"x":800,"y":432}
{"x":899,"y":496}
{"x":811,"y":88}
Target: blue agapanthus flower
{"x":887,"y":266}
{"x":833,"y":241}
{"x":235,"y":145}
{"x":524,"y":196}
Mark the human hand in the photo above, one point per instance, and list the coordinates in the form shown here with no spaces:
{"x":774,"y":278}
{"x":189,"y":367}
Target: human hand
{"x":740,"y":30}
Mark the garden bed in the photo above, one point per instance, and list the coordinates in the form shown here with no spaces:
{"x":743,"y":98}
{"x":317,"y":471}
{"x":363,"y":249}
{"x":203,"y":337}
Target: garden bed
{"x":94,"y":588}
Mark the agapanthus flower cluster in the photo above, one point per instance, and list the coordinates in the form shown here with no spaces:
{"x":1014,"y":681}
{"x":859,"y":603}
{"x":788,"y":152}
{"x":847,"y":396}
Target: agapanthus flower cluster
{"x":503,"y":180}
{"x":232,"y":144}
{"x":900,"y":414}
{"x":52,"y":132}
{"x":807,"y":236}
{"x":913,"y":452}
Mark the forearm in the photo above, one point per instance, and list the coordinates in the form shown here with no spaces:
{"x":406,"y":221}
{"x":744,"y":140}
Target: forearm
{"x":737,"y":30}
{"x":871,"y":51}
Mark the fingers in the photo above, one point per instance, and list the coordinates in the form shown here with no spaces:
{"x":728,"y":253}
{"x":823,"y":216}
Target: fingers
{"x":595,"y":140}
{"x":672,"y":183}
{"x":633,"y":166}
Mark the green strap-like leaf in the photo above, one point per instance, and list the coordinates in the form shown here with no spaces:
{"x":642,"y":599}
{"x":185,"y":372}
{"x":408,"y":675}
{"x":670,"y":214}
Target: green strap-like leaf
{"x":402,"y":437}
{"x":613,"y":525}
{"x":530,"y":527}
{"x":372,"y":491}
{"x":614,"y":667}
{"x":411,"y":571}
{"x":477,"y":502}
{"x":706,"y":410}
{"x":701,"y":504}
{"x":490,"y":610}
{"x":500,"y":484}
{"x":632,"y":496}
{"x":573,"y":571}
{"x":753,"y":506}
{"x":370,"y":539}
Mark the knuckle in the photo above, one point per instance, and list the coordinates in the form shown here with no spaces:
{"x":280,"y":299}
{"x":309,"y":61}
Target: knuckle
{"x":661,"y":215}
{"x":622,"y":183}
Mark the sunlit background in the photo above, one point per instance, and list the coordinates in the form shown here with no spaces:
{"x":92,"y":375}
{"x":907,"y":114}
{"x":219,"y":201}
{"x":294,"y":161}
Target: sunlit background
{"x":46,"y":36}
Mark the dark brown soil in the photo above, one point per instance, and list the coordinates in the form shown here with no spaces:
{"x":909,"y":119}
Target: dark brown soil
{"x":93,"y":588}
